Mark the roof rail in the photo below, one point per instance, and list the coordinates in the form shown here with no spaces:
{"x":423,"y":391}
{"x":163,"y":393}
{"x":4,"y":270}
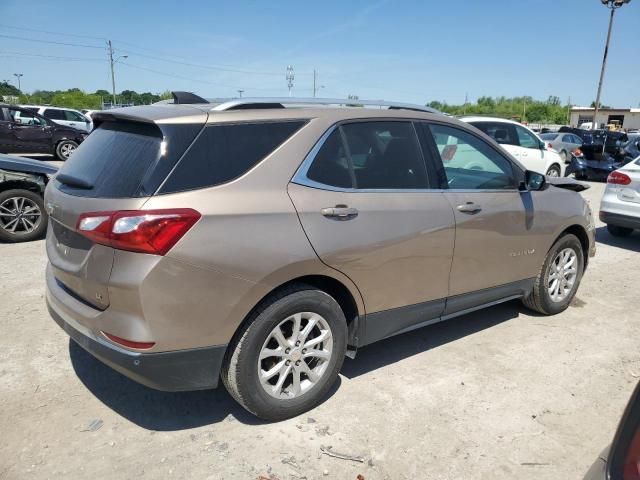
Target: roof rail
{"x":247,"y":103}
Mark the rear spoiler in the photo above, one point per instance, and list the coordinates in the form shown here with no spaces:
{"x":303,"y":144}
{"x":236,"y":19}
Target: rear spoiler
{"x":112,"y":116}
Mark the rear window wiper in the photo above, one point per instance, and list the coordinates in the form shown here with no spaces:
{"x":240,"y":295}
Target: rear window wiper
{"x":72,"y":181}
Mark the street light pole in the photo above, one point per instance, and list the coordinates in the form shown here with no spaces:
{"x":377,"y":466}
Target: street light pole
{"x":613,"y":5}
{"x":18,"y":75}
{"x":240,"y":93}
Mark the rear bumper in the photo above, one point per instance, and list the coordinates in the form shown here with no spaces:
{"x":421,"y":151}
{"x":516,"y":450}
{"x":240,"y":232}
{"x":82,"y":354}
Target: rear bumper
{"x":195,"y":369}
{"x":620,"y":220}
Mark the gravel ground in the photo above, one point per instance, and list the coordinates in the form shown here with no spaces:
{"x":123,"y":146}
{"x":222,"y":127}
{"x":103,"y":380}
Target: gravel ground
{"x":497,"y":394}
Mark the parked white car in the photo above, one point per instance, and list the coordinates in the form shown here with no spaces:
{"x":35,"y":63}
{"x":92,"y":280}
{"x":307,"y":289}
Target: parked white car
{"x":64,"y":116}
{"x":620,"y":204}
{"x":522,"y":143}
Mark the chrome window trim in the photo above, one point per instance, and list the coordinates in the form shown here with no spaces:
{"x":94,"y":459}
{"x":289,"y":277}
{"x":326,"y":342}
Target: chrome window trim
{"x":300,"y":177}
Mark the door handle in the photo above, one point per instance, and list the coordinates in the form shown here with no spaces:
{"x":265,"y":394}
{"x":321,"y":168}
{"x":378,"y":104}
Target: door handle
{"x":340,"y":212}
{"x":469,"y":207}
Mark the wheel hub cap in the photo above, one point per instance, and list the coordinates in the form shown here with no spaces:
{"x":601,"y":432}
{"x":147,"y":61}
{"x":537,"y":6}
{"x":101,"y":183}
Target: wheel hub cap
{"x":562,"y":274}
{"x":19,"y":215}
{"x":295,"y":355}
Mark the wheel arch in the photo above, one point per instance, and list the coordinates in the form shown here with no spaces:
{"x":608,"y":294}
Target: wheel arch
{"x":330,"y":285}
{"x":580,"y":232}
{"x":21,"y":185}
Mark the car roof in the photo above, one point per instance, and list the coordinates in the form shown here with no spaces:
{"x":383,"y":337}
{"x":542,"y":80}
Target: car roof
{"x":48,"y":107}
{"x":161,"y":113}
{"x":477,"y":118}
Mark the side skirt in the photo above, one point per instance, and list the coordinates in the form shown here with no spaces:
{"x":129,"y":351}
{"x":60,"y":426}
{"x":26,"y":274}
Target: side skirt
{"x":388,"y":323}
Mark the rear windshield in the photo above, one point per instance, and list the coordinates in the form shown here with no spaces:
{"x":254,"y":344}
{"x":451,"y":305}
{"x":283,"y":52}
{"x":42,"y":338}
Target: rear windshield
{"x":112,"y":161}
{"x":224,"y":152}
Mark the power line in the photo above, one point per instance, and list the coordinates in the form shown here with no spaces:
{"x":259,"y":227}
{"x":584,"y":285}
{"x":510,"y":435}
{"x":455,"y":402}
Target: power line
{"x":49,"y":32}
{"x":51,"y":41}
{"x":6,"y":53}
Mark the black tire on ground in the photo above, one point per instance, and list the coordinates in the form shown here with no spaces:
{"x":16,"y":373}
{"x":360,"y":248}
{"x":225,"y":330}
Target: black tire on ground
{"x":240,"y":369}
{"x":539,"y":299}
{"x":617,"y":231}
{"x":553,"y":169}
{"x":20,"y":235}
{"x":62,"y":147}
{"x":581,"y":176}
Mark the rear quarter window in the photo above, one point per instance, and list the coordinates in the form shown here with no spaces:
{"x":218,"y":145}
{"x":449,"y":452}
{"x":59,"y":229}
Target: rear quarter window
{"x":222,"y":153}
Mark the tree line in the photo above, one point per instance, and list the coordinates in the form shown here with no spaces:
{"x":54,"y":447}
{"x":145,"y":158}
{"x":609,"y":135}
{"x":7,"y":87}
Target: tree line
{"x":79,"y":99}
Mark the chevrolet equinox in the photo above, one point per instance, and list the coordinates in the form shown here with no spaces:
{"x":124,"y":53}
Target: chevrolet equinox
{"x":262,"y":241}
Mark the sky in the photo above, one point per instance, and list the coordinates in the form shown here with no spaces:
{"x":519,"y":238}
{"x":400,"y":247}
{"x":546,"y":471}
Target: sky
{"x":401,"y":50}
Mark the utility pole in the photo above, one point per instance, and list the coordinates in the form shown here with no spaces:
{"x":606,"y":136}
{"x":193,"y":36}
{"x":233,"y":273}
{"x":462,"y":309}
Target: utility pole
{"x":466,"y":100}
{"x":569,"y":111}
{"x":289,"y":76}
{"x":240,"y":93}
{"x":613,"y":5}
{"x":315,"y":74}
{"x":113,"y":76}
{"x":18,"y":75}
{"x":524,"y":109}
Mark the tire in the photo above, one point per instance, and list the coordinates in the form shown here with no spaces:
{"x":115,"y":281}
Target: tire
{"x":242,"y":368}
{"x":65,"y":148}
{"x":554,"y":171}
{"x":27,"y":208}
{"x":540,"y":299}
{"x":617,"y":231}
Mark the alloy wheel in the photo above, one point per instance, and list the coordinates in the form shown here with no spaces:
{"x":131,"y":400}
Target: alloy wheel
{"x":562,"y":274}
{"x":19,"y":215}
{"x":295,"y":355}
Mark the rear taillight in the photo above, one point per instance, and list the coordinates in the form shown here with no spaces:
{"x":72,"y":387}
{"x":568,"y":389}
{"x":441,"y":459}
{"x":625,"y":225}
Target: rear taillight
{"x":549,"y":146}
{"x":577,"y":152}
{"x":129,"y":343}
{"x":618,"y":178}
{"x":145,"y":231}
{"x":631,"y":467}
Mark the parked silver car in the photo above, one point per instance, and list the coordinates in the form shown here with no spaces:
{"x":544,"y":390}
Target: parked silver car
{"x":620,"y":205}
{"x":563,"y":143}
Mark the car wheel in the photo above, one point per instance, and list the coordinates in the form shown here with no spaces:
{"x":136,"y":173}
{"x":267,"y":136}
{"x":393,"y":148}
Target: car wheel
{"x":554,"y":171}
{"x":65,"y":148}
{"x":288,"y":355}
{"x":559,"y":278}
{"x":617,"y":231}
{"x":22,"y":216}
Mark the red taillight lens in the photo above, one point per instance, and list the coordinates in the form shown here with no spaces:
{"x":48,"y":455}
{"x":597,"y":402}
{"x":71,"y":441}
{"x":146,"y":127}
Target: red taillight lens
{"x":577,"y":152}
{"x":632,"y":459}
{"x":145,"y":231}
{"x":618,"y":178}
{"x":549,"y":146}
{"x":129,"y":343}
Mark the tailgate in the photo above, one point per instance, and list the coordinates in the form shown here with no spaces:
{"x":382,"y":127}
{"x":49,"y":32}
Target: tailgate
{"x":80,"y":266}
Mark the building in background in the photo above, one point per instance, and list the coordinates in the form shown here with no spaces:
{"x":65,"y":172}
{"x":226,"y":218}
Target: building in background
{"x":625,"y":118}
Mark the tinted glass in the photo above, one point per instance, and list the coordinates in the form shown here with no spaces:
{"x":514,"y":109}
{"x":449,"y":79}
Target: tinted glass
{"x":470,"y":163}
{"x":526,"y":138}
{"x":550,"y":136}
{"x":385,"y":155}
{"x":73,"y":116}
{"x":222,"y":153}
{"x":331,"y":165}
{"x":503,"y":133}
{"x":22,"y":117}
{"x":113,"y":160}
{"x":54,"y":114}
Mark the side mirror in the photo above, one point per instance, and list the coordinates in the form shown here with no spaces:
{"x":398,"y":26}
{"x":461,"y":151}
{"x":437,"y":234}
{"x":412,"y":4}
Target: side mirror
{"x":534,"y":181}
{"x":543,"y":146}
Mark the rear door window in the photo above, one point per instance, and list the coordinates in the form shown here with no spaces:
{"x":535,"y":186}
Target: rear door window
{"x":222,"y":153}
{"x":526,"y":138}
{"x":73,"y":116}
{"x":380,"y":155}
{"x":503,"y":133}
{"x":54,"y":114}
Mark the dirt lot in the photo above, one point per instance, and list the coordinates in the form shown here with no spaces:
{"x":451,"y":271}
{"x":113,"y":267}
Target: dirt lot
{"x":498,"y":394}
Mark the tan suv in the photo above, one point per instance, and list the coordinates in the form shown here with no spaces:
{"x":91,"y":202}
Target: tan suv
{"x":261,"y":241}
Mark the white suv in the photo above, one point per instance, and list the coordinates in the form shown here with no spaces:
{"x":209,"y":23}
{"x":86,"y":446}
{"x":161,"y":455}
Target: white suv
{"x":522,"y":143}
{"x":64,"y":116}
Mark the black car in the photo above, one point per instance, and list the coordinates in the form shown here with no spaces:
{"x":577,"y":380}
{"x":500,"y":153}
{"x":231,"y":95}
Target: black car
{"x":23,"y":131}
{"x":600,"y":154}
{"x":22,"y":213}
{"x":621,"y":461}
